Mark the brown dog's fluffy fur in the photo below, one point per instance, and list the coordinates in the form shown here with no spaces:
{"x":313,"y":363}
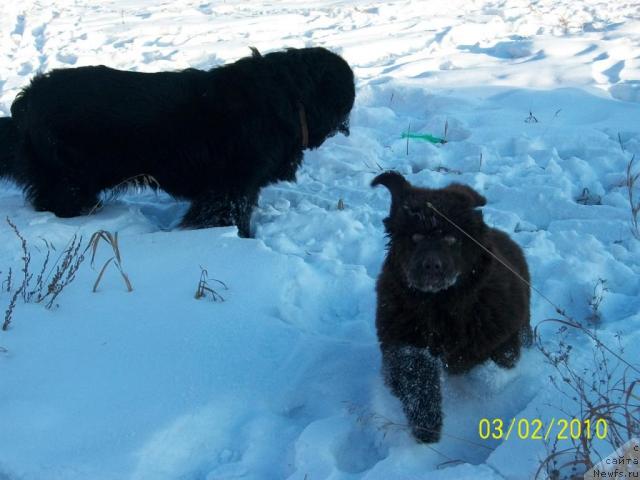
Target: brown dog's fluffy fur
{"x":443,"y":302}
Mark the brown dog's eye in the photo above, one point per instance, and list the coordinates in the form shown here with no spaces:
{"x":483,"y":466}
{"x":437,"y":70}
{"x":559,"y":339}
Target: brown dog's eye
{"x":417,"y":237}
{"x":450,"y":239}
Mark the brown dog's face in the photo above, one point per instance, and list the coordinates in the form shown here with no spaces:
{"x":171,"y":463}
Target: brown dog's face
{"x":432,"y":254}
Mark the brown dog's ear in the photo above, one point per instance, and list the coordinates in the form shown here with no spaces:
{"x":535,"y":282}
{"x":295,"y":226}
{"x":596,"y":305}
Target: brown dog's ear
{"x":395,"y":182}
{"x":398,"y":186}
{"x":471,"y":196}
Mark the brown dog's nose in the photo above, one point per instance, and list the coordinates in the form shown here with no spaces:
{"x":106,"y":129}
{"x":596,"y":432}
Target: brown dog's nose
{"x":432,"y":263}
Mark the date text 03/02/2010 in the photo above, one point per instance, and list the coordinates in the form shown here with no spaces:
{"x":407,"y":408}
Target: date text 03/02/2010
{"x":536,"y":429}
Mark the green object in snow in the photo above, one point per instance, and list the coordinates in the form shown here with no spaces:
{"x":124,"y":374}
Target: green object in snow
{"x":423,"y":136}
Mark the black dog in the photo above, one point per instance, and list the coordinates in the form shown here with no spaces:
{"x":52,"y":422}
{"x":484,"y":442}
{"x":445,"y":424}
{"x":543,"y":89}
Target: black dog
{"x":442,"y":300}
{"x":213,"y":137}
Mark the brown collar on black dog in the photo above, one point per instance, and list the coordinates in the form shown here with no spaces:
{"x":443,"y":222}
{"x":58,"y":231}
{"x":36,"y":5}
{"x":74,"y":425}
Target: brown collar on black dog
{"x":304,"y":129}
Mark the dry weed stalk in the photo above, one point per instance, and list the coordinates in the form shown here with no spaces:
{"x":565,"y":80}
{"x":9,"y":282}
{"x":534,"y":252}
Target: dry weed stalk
{"x":634,"y":204}
{"x":65,"y":271}
{"x":111,"y":240}
{"x":204,"y":289}
{"x":137,"y":183}
{"x":26,"y":259}
{"x":8,"y":315}
{"x":531,"y":118}
{"x":631,"y":181}
{"x":8,"y":281}
{"x":44,"y":289}
{"x":408,"y":132}
{"x":599,"y":290}
{"x":610,"y":392}
{"x":385,"y":425}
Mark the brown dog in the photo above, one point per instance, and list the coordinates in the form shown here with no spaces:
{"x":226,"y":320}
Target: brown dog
{"x":443,"y":301}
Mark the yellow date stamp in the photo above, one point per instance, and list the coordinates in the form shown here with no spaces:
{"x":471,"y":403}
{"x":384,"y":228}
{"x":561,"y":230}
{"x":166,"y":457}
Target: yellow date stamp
{"x":536,"y":429}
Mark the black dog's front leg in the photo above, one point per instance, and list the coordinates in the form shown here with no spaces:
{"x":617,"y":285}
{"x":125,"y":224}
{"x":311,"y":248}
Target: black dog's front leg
{"x":413,"y":375}
{"x":213,"y":209}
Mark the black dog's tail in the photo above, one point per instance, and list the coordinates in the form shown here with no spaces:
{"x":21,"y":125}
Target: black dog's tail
{"x":8,"y":144}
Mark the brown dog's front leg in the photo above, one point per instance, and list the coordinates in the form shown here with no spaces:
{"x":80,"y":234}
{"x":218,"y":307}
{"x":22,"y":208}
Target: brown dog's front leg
{"x":413,"y":375}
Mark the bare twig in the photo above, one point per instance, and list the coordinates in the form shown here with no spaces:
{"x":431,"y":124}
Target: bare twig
{"x":531,"y":118}
{"x":204,"y":289}
{"x":601,"y":394}
{"x":634,"y":205}
{"x":9,"y":313}
{"x":111,"y":240}
{"x":42,"y":289}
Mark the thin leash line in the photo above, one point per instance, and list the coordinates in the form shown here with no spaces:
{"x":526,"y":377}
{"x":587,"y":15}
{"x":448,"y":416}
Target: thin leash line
{"x":466,"y":440}
{"x":570,"y":321}
{"x":454,"y":437}
{"x":507,"y":266}
{"x":448,"y":458}
{"x":384,"y":421}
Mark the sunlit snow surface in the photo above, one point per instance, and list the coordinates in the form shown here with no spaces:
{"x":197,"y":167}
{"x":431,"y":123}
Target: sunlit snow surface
{"x":281,"y":380}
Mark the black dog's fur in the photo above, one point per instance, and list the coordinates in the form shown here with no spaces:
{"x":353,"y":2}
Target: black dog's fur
{"x":442,"y":300}
{"x":214,"y":137}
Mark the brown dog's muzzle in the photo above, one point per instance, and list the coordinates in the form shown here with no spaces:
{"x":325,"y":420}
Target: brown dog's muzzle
{"x":430,"y":272}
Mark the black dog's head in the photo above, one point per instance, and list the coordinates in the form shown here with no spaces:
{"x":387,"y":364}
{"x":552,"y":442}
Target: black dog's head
{"x":431,"y":254}
{"x":323,"y":83}
{"x":330,"y":95}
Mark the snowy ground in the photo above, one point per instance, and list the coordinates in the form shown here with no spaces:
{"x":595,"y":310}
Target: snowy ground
{"x":281,"y":380}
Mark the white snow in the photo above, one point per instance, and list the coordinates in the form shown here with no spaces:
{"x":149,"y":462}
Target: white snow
{"x":282,"y":380}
